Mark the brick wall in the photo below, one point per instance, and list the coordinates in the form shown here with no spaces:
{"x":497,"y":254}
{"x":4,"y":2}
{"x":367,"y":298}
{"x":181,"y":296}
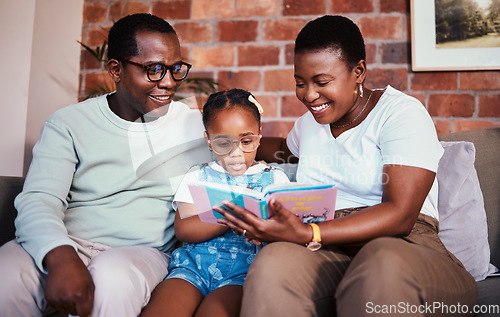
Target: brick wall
{"x":249,"y":44}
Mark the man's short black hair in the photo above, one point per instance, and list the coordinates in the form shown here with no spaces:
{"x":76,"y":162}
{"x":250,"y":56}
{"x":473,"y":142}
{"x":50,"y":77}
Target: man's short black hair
{"x":122,"y":42}
{"x":332,"y":32}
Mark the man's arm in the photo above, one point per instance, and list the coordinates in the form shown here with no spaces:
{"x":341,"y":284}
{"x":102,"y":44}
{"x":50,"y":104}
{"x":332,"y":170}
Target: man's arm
{"x":43,"y":201}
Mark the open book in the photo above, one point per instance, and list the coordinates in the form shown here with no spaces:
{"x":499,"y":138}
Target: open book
{"x":310,"y":202}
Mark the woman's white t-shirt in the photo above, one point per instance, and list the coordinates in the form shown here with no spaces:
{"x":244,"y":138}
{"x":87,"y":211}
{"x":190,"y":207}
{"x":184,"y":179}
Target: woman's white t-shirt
{"x":398,"y":130}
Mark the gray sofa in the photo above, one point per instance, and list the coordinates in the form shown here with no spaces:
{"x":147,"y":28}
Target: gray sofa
{"x":487,"y":163}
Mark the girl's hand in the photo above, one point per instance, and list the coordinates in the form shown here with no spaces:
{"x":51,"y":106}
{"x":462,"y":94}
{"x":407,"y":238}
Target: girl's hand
{"x":282,"y":226}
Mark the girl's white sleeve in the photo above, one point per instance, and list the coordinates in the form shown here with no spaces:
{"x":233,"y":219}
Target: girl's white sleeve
{"x":183,"y":195}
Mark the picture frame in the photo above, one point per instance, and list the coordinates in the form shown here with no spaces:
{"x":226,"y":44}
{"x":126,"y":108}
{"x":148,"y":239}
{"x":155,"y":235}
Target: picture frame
{"x":427,"y":56}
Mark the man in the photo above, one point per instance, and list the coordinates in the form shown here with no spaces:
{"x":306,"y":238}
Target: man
{"x":95,"y":224}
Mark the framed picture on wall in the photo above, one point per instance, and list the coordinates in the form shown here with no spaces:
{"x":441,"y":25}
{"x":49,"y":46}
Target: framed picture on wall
{"x":451,"y":35}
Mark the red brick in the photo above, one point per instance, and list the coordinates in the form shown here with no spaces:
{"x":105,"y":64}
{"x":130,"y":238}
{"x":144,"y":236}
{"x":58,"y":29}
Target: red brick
{"x":289,"y":54}
{"x":184,"y":53}
{"x":81,"y":88}
{"x":407,"y":22}
{"x":96,"y":35}
{"x":442,"y":126}
{"x":98,"y":82}
{"x":434,"y":81}
{"x":420,"y":97}
{"x":350,"y":6}
{"x":310,"y":7}
{"x":269,"y":104}
{"x":292,"y":107}
{"x":204,"y":9}
{"x":451,"y":105}
{"x":119,"y":9}
{"x":489,"y":105}
{"x":480,"y":80}
{"x":194,"y":86}
{"x":277,"y":128}
{"x":88,"y":61}
{"x":248,"y":8}
{"x":172,"y":10}
{"x":395,"y":53}
{"x":385,"y":27}
{"x":282,"y":29}
{"x":279,"y":80}
{"x":258,"y":55}
{"x":200,"y":74}
{"x":381,"y":77}
{"x":237,"y":31}
{"x":466,"y":125}
{"x":94,"y":12}
{"x":221,"y":56}
{"x":401,"y":6}
{"x":193,"y":32}
{"x":248,"y":80}
{"x":371,"y":53}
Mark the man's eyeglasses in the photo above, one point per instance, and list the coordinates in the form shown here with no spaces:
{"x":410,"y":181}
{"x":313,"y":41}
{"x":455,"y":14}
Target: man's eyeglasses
{"x":223,"y":145}
{"x":157,"y":71}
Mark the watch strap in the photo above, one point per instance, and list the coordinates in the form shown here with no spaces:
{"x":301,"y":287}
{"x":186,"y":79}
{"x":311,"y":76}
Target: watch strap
{"x":315,"y":244}
{"x":316,"y":233}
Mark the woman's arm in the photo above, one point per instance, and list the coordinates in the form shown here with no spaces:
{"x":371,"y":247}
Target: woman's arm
{"x":274,"y":149}
{"x":404,"y":193}
{"x":192,"y":229}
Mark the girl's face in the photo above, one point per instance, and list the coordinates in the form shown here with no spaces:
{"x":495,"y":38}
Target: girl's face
{"x":326,"y":85}
{"x":235,"y":123}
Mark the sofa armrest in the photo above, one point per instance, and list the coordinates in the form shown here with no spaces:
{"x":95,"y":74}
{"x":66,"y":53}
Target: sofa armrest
{"x":10,"y":186}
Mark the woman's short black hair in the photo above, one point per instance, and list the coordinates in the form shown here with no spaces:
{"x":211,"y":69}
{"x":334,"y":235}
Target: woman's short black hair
{"x":332,"y":32}
{"x":228,"y":99}
{"x":122,"y":42}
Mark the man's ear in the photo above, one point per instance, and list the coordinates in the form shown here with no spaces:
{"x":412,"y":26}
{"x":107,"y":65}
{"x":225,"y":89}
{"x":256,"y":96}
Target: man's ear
{"x":114,"y":69}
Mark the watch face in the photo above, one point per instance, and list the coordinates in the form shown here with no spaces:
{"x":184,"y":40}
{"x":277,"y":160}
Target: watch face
{"x":314,"y":246}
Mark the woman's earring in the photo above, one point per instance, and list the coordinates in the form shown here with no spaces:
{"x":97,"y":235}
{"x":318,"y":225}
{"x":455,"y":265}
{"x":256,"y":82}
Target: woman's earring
{"x":361,"y":90}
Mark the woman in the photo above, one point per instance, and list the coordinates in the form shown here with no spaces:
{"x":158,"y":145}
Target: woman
{"x":382,"y":253}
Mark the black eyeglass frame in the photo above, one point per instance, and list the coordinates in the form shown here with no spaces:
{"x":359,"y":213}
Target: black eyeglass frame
{"x":165,"y":67}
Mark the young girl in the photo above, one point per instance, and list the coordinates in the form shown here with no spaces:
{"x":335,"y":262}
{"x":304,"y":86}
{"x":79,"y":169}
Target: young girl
{"x":206,"y":275}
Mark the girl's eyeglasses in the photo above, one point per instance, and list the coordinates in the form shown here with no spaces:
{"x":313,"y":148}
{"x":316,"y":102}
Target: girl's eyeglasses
{"x":157,"y":71}
{"x":225,"y":144}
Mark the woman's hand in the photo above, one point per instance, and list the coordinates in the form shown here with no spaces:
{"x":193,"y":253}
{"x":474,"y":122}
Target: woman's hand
{"x":282,"y":226}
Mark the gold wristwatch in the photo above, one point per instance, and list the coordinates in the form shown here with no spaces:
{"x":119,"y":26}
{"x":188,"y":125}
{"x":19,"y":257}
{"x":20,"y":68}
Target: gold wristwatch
{"x":315,"y":244}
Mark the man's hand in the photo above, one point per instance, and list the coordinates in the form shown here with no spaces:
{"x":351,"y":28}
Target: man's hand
{"x":69,"y":288}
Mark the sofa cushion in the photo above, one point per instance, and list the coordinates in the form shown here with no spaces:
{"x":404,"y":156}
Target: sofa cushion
{"x":487,"y":142}
{"x":10,"y":186}
{"x":462,"y":218}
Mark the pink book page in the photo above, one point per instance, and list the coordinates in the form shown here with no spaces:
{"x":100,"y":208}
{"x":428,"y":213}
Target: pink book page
{"x":202,"y":204}
{"x":310,"y":206}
